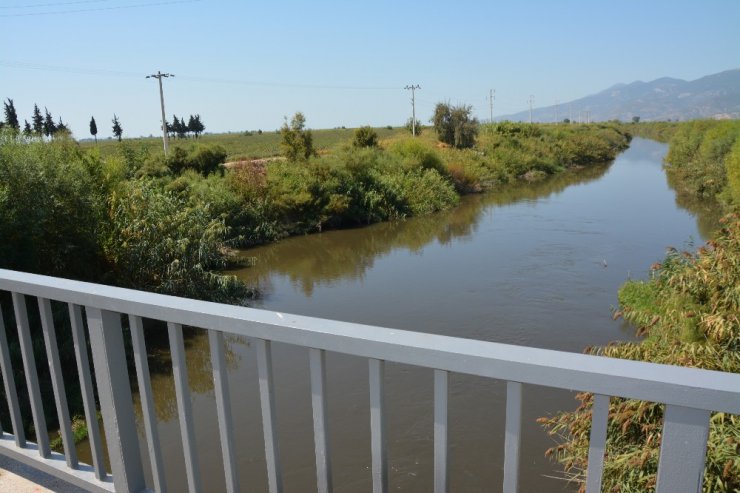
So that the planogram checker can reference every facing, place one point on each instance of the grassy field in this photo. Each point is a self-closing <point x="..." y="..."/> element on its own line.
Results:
<point x="244" y="146"/>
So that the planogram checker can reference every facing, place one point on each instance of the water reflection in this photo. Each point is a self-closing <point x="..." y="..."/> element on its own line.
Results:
<point x="323" y="259"/>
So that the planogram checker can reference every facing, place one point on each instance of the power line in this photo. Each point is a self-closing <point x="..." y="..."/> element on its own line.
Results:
<point x="60" y="4"/>
<point x="118" y="73"/>
<point x="98" y="9"/>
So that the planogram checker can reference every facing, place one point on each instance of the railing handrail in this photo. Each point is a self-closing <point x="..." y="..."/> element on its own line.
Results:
<point x="688" y="387"/>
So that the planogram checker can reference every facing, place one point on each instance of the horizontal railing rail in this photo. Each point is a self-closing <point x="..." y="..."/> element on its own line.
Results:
<point x="689" y="394"/>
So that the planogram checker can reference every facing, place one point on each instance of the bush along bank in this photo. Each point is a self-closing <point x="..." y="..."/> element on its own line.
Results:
<point x="689" y="314"/>
<point x="355" y="185"/>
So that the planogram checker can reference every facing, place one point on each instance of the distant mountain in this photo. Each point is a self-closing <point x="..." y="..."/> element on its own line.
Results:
<point x="713" y="96"/>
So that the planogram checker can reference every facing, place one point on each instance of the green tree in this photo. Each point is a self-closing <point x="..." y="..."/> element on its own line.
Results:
<point x="454" y="125"/>
<point x="297" y="142"/>
<point x="179" y="127"/>
<point x="195" y="125"/>
<point x="191" y="125"/>
<point x="117" y="128"/>
<point x="365" y="137"/>
<point x="94" y="129"/>
<point x="635" y="119"/>
<point x="183" y="133"/>
<point x="37" y="121"/>
<point x="27" y="132"/>
<point x="50" y="127"/>
<point x="61" y="128"/>
<point x="11" y="116"/>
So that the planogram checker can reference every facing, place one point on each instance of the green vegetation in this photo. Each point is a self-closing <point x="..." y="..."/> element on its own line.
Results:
<point x="689" y="313"/>
<point x="703" y="157"/>
<point x="297" y="141"/>
<point x="129" y="216"/>
<point x="413" y="126"/>
<point x="660" y="131"/>
<point x="454" y="125"/>
<point x="365" y="137"/>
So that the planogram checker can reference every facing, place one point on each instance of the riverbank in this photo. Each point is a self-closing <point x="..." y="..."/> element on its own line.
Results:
<point x="688" y="313"/>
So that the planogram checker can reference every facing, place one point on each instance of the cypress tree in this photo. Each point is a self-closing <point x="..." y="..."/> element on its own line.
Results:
<point x="50" y="127"/>
<point x="94" y="129"/>
<point x="38" y="121"/>
<point x="117" y="129"/>
<point x="11" y="117"/>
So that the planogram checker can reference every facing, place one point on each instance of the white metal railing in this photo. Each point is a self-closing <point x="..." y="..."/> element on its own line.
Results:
<point x="690" y="395"/>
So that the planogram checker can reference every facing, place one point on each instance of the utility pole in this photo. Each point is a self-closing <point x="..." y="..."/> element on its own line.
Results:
<point x="531" y="100"/>
<point x="413" y="88"/>
<point x="570" y="113"/>
<point x="557" y="111"/>
<point x="165" y="137"/>
<point x="491" y="99"/>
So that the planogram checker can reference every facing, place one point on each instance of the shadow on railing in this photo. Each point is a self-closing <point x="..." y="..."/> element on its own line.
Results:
<point x="690" y="395"/>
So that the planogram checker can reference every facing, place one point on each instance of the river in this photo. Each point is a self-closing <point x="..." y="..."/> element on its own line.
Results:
<point x="537" y="264"/>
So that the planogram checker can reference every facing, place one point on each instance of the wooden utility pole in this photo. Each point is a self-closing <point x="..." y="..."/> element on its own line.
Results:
<point x="165" y="137"/>
<point x="413" y="88"/>
<point x="491" y="99"/>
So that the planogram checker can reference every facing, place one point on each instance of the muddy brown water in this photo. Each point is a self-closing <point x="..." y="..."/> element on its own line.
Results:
<point x="537" y="265"/>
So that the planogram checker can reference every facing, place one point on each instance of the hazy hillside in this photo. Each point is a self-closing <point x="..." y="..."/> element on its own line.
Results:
<point x="713" y="96"/>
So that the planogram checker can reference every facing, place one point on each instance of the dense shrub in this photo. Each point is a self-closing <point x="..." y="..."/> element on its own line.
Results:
<point x="365" y="137"/>
<point x="296" y="141"/>
<point x="696" y="157"/>
<point x="415" y="155"/>
<point x="454" y="125"/>
<point x="732" y="163"/>
<point x="203" y="159"/>
<point x="52" y="203"/>
<point x="156" y="242"/>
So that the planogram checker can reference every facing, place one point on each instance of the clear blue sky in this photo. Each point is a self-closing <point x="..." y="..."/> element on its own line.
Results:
<point x="245" y="65"/>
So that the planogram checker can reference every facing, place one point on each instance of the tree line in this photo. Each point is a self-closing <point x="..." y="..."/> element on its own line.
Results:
<point x="43" y="124"/>
<point x="179" y="128"/>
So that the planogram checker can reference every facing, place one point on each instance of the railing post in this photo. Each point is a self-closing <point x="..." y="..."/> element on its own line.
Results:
<point x="114" y="391"/>
<point x="32" y="376"/>
<point x="223" y="408"/>
<point x="147" y="402"/>
<point x="269" y="421"/>
<point x="682" y="450"/>
<point x="11" y="393"/>
<point x="57" y="382"/>
<point x="377" y="427"/>
<point x="597" y="443"/>
<point x="184" y="407"/>
<point x="86" y="387"/>
<point x="441" y="447"/>
<point x="317" y="361"/>
<point x="512" y="439"/>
